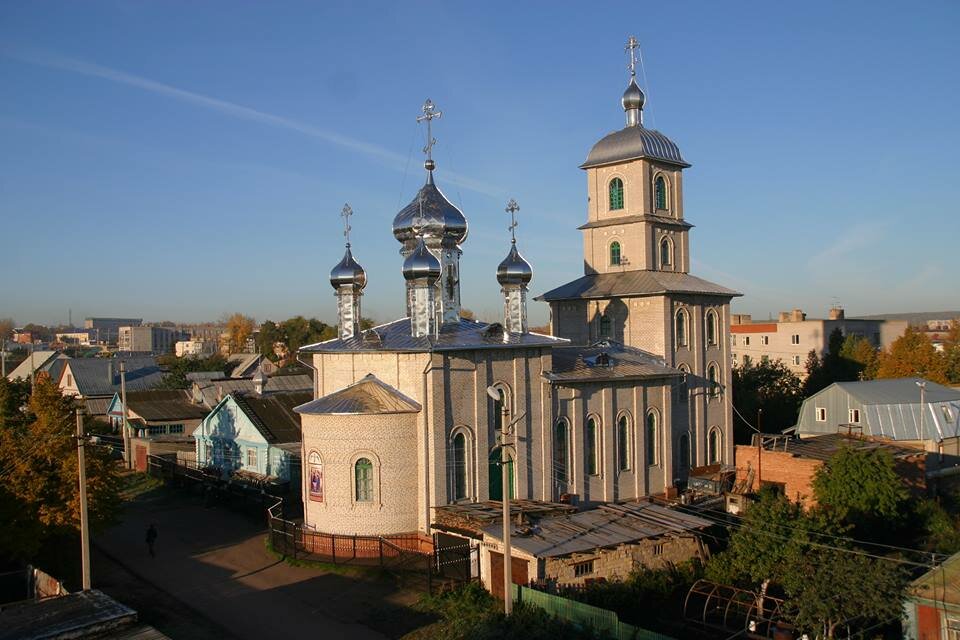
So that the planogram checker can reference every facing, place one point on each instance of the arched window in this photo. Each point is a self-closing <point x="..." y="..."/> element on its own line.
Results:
<point x="623" y="442"/>
<point x="614" y="253"/>
<point x="560" y="450"/>
<point x="711" y="331"/>
<point x="606" y="326"/>
<point x="713" y="380"/>
<point x="683" y="451"/>
<point x="660" y="192"/>
<point x="680" y="328"/>
<point x="458" y="452"/>
<point x="363" y="479"/>
<point x="653" y="439"/>
<point x="593" y="449"/>
<point x="315" y="471"/>
<point x="616" y="194"/>
<point x="714" y="446"/>
<point x="666" y="253"/>
<point x="683" y="388"/>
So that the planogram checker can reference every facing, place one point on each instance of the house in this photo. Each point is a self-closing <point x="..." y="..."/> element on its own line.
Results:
<point x="789" y="463"/>
<point x="793" y="336"/>
<point x="247" y="364"/>
<point x="253" y="432"/>
<point x="158" y="412"/>
<point x="932" y="607"/>
<point x="209" y="389"/>
<point x="49" y="362"/>
<point x="597" y="544"/>
<point x="909" y="411"/>
<point x="95" y="381"/>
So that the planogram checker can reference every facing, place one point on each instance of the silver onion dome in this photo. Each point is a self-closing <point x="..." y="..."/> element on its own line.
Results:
<point x="441" y="219"/>
<point x="514" y="269"/>
<point x="633" y="97"/>
<point x="348" y="272"/>
<point x="422" y="264"/>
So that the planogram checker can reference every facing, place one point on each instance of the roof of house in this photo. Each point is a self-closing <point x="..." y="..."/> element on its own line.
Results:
<point x="164" y="404"/>
<point x="898" y="391"/>
<point x="272" y="413"/>
<point x="939" y="585"/>
<point x="634" y="283"/>
<point x="92" y="375"/>
<point x="213" y="391"/>
<point x="824" y="447"/>
<point x="368" y="396"/>
<point x="606" y="360"/>
<point x="246" y="364"/>
<point x="41" y="361"/>
<point x="608" y="525"/>
<point x="463" y="335"/>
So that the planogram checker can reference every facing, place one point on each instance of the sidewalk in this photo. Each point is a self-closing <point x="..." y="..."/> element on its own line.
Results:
<point x="215" y="562"/>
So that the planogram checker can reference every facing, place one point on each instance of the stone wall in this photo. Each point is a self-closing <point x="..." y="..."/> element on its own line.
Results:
<point x="618" y="562"/>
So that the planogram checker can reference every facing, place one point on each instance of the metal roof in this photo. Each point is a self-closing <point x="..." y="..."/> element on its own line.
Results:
<point x="939" y="585"/>
<point x="645" y="217"/>
<point x="608" y="525"/>
<point x="631" y="143"/>
<point x="462" y="335"/>
<point x="273" y="414"/>
<point x="93" y="375"/>
<point x="213" y="391"/>
<point x="634" y="283"/>
<point x="898" y="390"/>
<point x="41" y="361"/>
<point x="164" y="404"/>
<point x="824" y="447"/>
<point x="75" y="615"/>
<point x="368" y="396"/>
<point x="606" y="360"/>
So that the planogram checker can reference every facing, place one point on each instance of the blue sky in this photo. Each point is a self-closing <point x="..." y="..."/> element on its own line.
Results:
<point x="177" y="160"/>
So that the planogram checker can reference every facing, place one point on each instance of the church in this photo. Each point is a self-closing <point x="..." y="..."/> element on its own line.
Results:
<point x="628" y="392"/>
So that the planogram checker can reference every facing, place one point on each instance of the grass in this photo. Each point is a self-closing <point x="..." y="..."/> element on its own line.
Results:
<point x="134" y="484"/>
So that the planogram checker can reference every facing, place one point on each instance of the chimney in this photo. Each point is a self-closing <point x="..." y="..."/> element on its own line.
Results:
<point x="110" y="372"/>
<point x="836" y="313"/>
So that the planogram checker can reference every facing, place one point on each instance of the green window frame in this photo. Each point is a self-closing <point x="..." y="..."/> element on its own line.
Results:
<point x="363" y="480"/>
<point x="592" y="448"/>
<point x="606" y="326"/>
<point x="560" y="450"/>
<point x="614" y="253"/>
<point x="652" y="438"/>
<point x="660" y="192"/>
<point x="623" y="443"/>
<point x="713" y="446"/>
<point x="616" y="194"/>
<point x="459" y="454"/>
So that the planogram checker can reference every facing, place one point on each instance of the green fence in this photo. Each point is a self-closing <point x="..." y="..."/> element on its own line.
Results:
<point x="585" y="615"/>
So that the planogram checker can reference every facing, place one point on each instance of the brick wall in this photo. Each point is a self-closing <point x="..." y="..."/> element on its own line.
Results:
<point x="796" y="474"/>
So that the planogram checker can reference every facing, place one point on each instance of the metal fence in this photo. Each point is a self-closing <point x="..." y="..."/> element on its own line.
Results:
<point x="584" y="615"/>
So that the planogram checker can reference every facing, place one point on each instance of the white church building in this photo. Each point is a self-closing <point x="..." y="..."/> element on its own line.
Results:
<point x="629" y="392"/>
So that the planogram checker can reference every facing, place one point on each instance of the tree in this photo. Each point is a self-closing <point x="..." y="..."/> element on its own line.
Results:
<point x="14" y="396"/>
<point x="912" y="354"/>
<point x="6" y="329"/>
<point x="40" y="476"/>
<point x="859" y="357"/>
<point x="239" y="330"/>
<point x="178" y="368"/>
<point x="767" y="386"/>
<point x="951" y="352"/>
<point x="267" y="339"/>
<point x="840" y="363"/>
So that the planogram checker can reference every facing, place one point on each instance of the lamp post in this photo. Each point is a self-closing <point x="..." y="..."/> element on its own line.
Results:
<point x="84" y="524"/>
<point x="923" y="387"/>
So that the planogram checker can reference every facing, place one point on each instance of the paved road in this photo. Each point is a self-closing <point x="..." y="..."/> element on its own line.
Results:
<point x="214" y="561"/>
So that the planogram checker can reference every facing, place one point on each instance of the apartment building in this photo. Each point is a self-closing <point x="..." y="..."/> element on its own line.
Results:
<point x="792" y="336"/>
<point x="148" y="339"/>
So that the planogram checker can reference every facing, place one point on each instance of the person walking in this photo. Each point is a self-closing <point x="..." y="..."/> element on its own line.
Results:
<point x="152" y="539"/>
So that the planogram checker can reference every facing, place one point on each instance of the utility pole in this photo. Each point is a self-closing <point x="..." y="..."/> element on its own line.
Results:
<point x="507" y="557"/>
<point x="84" y="524"/>
<point x="123" y="401"/>
<point x="759" y="448"/>
<point x="923" y="387"/>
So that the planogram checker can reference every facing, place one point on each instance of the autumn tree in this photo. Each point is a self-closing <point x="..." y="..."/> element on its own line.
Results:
<point x="239" y="329"/>
<point x="951" y="352"/>
<point x="910" y="355"/>
<point x="6" y="329"/>
<point x="178" y="368"/>
<point x="40" y="493"/>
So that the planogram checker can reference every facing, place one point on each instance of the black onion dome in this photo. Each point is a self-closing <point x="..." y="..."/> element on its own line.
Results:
<point x="421" y="264"/>
<point x="514" y="269"/>
<point x="633" y="97"/>
<point x="440" y="218"/>
<point x="348" y="272"/>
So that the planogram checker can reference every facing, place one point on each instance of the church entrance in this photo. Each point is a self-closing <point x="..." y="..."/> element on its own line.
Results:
<point x="495" y="479"/>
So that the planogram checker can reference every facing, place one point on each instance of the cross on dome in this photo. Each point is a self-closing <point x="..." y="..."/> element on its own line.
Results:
<point x="632" y="45"/>
<point x="512" y="208"/>
<point x="429" y="113"/>
<point x="345" y="213"/>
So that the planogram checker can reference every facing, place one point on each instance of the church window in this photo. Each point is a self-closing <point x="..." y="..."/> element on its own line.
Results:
<point x="614" y="253"/>
<point x="653" y="435"/>
<point x="680" y="328"/>
<point x="660" y="192"/>
<point x="712" y="334"/>
<point x="683" y="389"/>
<point x="623" y="442"/>
<point x="560" y="450"/>
<point x="683" y="451"/>
<point x="315" y="470"/>
<point x="606" y="326"/>
<point x="714" y="444"/>
<point x="616" y="194"/>
<point x="363" y="480"/>
<point x="593" y="450"/>
<point x="666" y="253"/>
<point x="713" y="379"/>
<point x="459" y="466"/>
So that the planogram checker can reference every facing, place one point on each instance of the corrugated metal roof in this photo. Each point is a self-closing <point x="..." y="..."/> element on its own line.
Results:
<point x="631" y="143"/>
<point x="41" y="361"/>
<point x="97" y="406"/>
<point x="606" y="526"/>
<point x="824" y="447"/>
<point x="212" y="391"/>
<point x="92" y="375"/>
<point x="939" y="585"/>
<point x="898" y="390"/>
<point x="606" y="360"/>
<point x="273" y="414"/>
<point x="462" y="335"/>
<point x="74" y="615"/>
<point x="164" y="404"/>
<point x="368" y="396"/>
<point x="634" y="283"/>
